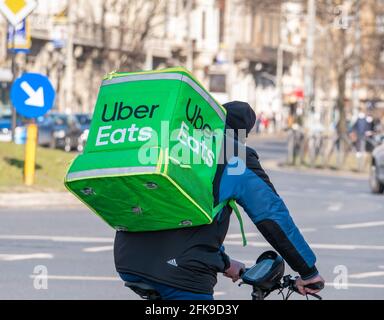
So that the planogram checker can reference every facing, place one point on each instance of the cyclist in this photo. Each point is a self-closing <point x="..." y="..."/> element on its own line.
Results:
<point x="182" y="264"/>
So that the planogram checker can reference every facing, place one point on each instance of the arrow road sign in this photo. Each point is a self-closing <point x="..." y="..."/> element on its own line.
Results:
<point x="32" y="95"/>
<point x="36" y="98"/>
<point x="16" y="10"/>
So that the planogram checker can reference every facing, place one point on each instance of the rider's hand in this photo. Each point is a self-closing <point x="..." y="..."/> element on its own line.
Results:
<point x="300" y="283"/>
<point x="233" y="271"/>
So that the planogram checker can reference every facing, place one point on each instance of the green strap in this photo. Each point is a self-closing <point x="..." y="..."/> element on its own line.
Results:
<point x="219" y="207"/>
<point x="233" y="205"/>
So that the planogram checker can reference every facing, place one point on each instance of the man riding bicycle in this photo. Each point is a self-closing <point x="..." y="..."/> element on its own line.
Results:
<point x="182" y="264"/>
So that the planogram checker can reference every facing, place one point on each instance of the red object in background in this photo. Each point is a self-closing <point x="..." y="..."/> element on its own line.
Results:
<point x="298" y="93"/>
<point x="265" y="122"/>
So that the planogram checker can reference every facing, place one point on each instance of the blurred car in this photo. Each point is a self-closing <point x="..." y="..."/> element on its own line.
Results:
<point x="84" y="120"/>
<point x="58" y="130"/>
<point x="6" y="127"/>
<point x="376" y="176"/>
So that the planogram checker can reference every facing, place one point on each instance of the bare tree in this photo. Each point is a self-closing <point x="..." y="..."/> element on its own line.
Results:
<point x="344" y="49"/>
<point x="124" y="42"/>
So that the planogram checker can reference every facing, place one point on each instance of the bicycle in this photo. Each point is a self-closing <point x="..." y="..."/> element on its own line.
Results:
<point x="267" y="275"/>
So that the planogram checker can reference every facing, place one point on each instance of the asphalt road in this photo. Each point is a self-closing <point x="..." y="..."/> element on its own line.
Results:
<point x="338" y="216"/>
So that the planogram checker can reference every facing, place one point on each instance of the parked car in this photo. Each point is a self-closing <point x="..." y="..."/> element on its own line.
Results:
<point x="6" y="127"/>
<point x="376" y="177"/>
<point x="84" y="120"/>
<point x="58" y="130"/>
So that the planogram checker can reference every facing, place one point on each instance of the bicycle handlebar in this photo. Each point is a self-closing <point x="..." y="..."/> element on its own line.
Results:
<point x="315" y="286"/>
<point x="290" y="283"/>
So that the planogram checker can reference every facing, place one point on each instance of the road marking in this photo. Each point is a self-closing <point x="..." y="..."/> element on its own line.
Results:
<point x="360" y="225"/>
<point x="18" y="257"/>
<point x="219" y="293"/>
<point x="313" y="245"/>
<point x="57" y="238"/>
<point x="345" y="246"/>
<point x="254" y="234"/>
<point x="305" y="230"/>
<point x="77" y="278"/>
<point x="98" y="249"/>
<point x="334" y="207"/>
<point x="311" y="195"/>
<point x="356" y="285"/>
<point x="367" y="275"/>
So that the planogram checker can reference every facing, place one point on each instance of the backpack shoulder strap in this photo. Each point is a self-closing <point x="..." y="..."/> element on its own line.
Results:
<point x="232" y="204"/>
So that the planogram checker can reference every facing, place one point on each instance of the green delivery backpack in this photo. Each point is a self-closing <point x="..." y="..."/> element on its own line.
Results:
<point x="151" y="153"/>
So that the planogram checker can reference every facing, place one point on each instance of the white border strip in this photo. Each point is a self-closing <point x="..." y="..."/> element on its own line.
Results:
<point x="206" y="96"/>
<point x="140" y="77"/>
<point x="168" y="76"/>
<point x="108" y="171"/>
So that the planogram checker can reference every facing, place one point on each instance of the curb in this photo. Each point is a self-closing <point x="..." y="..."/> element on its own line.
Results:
<point x="38" y="199"/>
<point x="282" y="167"/>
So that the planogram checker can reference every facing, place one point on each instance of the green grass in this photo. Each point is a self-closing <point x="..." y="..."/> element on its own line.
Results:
<point x="51" y="166"/>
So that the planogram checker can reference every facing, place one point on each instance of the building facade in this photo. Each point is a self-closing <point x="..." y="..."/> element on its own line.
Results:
<point x="233" y="48"/>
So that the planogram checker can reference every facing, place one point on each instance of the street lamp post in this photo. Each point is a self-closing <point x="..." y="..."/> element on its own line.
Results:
<point x="308" y="76"/>
<point x="13" y="70"/>
<point x="189" y="63"/>
<point x="69" y="57"/>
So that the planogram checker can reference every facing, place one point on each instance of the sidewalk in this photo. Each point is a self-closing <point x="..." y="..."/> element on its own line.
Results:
<point x="38" y="200"/>
<point x="279" y="165"/>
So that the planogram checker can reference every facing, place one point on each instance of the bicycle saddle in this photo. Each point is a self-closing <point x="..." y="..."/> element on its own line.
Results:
<point x="144" y="290"/>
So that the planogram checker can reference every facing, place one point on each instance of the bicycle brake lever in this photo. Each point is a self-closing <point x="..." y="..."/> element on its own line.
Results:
<point x="315" y="296"/>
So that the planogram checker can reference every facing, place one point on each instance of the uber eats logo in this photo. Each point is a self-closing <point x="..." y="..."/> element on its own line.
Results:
<point x="124" y="112"/>
<point x="197" y="143"/>
<point x="191" y="131"/>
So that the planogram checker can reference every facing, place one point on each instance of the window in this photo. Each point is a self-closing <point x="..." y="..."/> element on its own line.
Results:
<point x="380" y="23"/>
<point x="221" y="5"/>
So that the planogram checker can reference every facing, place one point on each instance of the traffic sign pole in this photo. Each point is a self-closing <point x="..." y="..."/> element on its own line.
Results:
<point x="32" y="96"/>
<point x="15" y="11"/>
<point x="13" y="70"/>
<point x="30" y="154"/>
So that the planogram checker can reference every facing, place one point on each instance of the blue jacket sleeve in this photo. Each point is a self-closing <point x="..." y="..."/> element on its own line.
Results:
<point x="255" y="193"/>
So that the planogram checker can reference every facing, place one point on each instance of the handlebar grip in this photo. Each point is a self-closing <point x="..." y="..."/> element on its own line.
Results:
<point x="242" y="271"/>
<point x="315" y="286"/>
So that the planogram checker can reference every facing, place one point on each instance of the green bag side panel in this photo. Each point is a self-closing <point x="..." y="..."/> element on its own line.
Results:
<point x="196" y="151"/>
<point x="115" y="200"/>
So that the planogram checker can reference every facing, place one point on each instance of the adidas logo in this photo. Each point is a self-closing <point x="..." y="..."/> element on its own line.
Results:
<point x="172" y="262"/>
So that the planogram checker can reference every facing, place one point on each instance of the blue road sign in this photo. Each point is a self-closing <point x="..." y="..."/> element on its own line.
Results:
<point x="19" y="37"/>
<point x="32" y="95"/>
